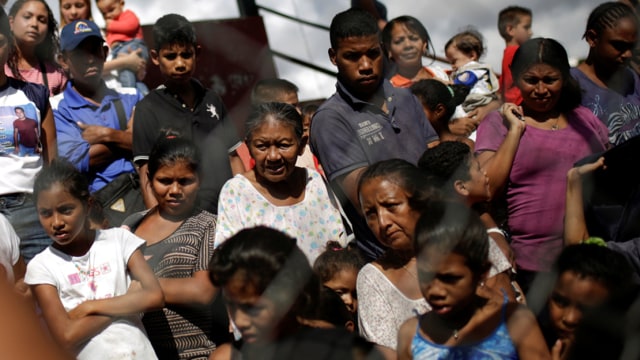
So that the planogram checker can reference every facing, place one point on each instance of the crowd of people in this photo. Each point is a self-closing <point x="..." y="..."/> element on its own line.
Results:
<point x="418" y="213"/>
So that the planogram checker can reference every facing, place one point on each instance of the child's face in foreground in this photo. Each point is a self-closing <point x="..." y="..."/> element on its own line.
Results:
<point x="62" y="215"/>
<point x="571" y="296"/>
<point x="31" y="23"/>
<point x="522" y="32"/>
<point x="110" y="9"/>
<point x="253" y="314"/>
<point x="177" y="62"/>
<point x="344" y="284"/>
<point x="446" y="282"/>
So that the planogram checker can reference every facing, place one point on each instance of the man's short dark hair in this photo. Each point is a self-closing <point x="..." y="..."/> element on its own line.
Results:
<point x="352" y="22"/>
<point x="270" y="90"/>
<point x="173" y="29"/>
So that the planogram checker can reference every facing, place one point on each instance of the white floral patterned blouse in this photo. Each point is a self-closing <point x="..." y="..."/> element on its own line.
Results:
<point x="313" y="221"/>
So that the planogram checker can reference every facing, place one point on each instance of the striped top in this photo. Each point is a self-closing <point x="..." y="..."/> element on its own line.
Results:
<point x="182" y="332"/>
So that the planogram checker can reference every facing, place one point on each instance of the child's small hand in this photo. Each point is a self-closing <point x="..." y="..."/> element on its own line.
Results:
<point x="591" y="167"/>
<point x="575" y="174"/>
<point x="559" y="351"/>
<point x="490" y="293"/>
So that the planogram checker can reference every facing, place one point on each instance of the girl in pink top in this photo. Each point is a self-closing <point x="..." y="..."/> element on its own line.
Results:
<point x="32" y="58"/>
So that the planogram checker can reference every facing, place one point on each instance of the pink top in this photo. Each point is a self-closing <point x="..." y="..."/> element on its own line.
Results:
<point x="124" y="27"/>
<point x="536" y="187"/>
<point x="55" y="77"/>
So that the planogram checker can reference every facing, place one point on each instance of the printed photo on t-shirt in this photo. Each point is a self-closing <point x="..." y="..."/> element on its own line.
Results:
<point x="20" y="130"/>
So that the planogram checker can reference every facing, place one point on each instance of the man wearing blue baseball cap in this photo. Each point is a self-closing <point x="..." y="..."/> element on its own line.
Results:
<point x="92" y="120"/>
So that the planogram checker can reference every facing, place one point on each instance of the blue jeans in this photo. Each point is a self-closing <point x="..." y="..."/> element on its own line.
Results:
<point x="126" y="77"/>
<point x="24" y="151"/>
<point x="20" y="210"/>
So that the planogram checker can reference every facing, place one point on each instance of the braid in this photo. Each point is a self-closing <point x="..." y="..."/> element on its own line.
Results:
<point x="606" y="15"/>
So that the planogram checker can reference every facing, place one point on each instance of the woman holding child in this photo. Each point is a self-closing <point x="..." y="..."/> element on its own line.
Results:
<point x="528" y="149"/>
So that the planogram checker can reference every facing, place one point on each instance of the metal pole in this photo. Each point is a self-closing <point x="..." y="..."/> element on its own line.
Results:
<point x="247" y="8"/>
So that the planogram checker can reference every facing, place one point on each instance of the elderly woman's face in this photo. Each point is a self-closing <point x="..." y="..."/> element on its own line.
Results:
<point x="541" y="87"/>
<point x="275" y="148"/>
<point x="386" y="208"/>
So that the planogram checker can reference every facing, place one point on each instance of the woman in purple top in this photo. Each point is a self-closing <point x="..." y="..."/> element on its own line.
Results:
<point x="528" y="149"/>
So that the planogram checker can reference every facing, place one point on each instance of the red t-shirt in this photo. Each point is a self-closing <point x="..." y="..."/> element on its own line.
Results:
<point x="510" y="92"/>
<point x="28" y="132"/>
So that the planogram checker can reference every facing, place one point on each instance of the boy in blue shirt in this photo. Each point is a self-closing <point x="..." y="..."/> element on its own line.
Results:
<point x="86" y="112"/>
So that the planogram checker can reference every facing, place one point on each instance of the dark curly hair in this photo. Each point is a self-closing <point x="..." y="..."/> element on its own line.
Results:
<point x="432" y="92"/>
<point x="336" y="258"/>
<point x="446" y="163"/>
<point x="606" y="16"/>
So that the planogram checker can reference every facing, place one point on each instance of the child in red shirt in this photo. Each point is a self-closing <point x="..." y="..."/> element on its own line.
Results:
<point x="514" y="25"/>
<point x="124" y="35"/>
